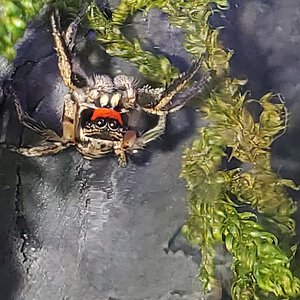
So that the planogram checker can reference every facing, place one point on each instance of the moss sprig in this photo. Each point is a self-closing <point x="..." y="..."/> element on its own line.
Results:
<point x="260" y="265"/>
<point x="14" y="14"/>
<point x="109" y="34"/>
<point x="13" y="17"/>
<point x="260" y="261"/>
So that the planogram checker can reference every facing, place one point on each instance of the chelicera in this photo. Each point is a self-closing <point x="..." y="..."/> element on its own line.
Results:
<point x="97" y="108"/>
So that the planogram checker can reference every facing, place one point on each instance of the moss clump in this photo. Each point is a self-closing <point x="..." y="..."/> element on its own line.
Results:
<point x="13" y="16"/>
<point x="154" y="67"/>
<point x="15" y="13"/>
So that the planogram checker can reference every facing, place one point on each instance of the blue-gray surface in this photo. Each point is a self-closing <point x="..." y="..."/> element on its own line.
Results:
<point x="77" y="229"/>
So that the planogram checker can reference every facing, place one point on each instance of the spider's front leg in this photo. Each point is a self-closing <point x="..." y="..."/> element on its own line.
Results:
<point x="152" y="134"/>
<point x="64" y="44"/>
<point x="73" y="75"/>
<point x="64" y="61"/>
<point x="71" y="32"/>
<point x="174" y="97"/>
<point x="132" y="143"/>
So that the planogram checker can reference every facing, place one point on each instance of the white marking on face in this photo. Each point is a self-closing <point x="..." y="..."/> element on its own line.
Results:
<point x="114" y="100"/>
<point x="104" y="99"/>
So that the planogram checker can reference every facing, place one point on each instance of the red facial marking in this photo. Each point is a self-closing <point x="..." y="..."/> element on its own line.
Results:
<point x="107" y="113"/>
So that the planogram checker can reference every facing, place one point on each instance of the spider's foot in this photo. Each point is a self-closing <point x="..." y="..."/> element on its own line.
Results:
<point x="122" y="160"/>
<point x="71" y="32"/>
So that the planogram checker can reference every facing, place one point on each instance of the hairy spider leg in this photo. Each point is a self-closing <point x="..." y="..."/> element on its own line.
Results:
<point x="154" y="133"/>
<point x="49" y="149"/>
<point x="71" y="32"/>
<point x="56" y="144"/>
<point x="196" y="88"/>
<point x="64" y="62"/>
<point x="165" y="98"/>
<point x="27" y="121"/>
<point x="174" y="88"/>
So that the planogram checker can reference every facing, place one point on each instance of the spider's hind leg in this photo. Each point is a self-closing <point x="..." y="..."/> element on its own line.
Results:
<point x="49" y="149"/>
<point x="27" y="121"/>
<point x="72" y="74"/>
<point x="71" y="32"/>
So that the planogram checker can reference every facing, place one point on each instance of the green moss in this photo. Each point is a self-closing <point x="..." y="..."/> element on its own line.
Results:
<point x="154" y="67"/>
<point x="14" y="15"/>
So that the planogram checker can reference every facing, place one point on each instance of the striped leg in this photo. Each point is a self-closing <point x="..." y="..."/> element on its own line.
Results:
<point x="27" y="121"/>
<point x="168" y="100"/>
<point x="64" y="60"/>
<point x="49" y="149"/>
<point x="154" y="133"/>
<point x="56" y="145"/>
<point x="71" y="32"/>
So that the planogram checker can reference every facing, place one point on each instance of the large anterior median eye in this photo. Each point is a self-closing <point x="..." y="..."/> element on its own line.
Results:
<point x="101" y="122"/>
<point x="113" y="124"/>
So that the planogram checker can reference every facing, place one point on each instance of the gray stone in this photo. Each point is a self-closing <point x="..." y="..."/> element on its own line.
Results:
<point x="78" y="229"/>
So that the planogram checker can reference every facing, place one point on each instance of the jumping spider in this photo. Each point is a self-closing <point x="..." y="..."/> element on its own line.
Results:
<point x="95" y="117"/>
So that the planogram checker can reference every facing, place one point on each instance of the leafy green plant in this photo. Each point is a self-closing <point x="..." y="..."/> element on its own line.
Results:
<point x="15" y="13"/>
<point x="13" y="16"/>
<point x="154" y="67"/>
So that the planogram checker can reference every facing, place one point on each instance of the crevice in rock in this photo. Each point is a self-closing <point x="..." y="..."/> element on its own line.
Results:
<point x="20" y="218"/>
<point x="28" y="243"/>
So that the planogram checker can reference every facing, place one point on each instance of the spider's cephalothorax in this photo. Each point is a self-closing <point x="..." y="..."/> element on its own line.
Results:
<point x="97" y="108"/>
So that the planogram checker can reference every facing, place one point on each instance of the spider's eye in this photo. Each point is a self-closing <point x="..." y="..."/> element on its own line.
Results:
<point x="113" y="124"/>
<point x="101" y="122"/>
<point x="88" y="125"/>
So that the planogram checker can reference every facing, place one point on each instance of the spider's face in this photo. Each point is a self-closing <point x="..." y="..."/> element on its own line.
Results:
<point x="102" y="124"/>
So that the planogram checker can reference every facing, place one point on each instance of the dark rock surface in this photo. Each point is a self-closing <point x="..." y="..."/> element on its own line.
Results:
<point x="77" y="229"/>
